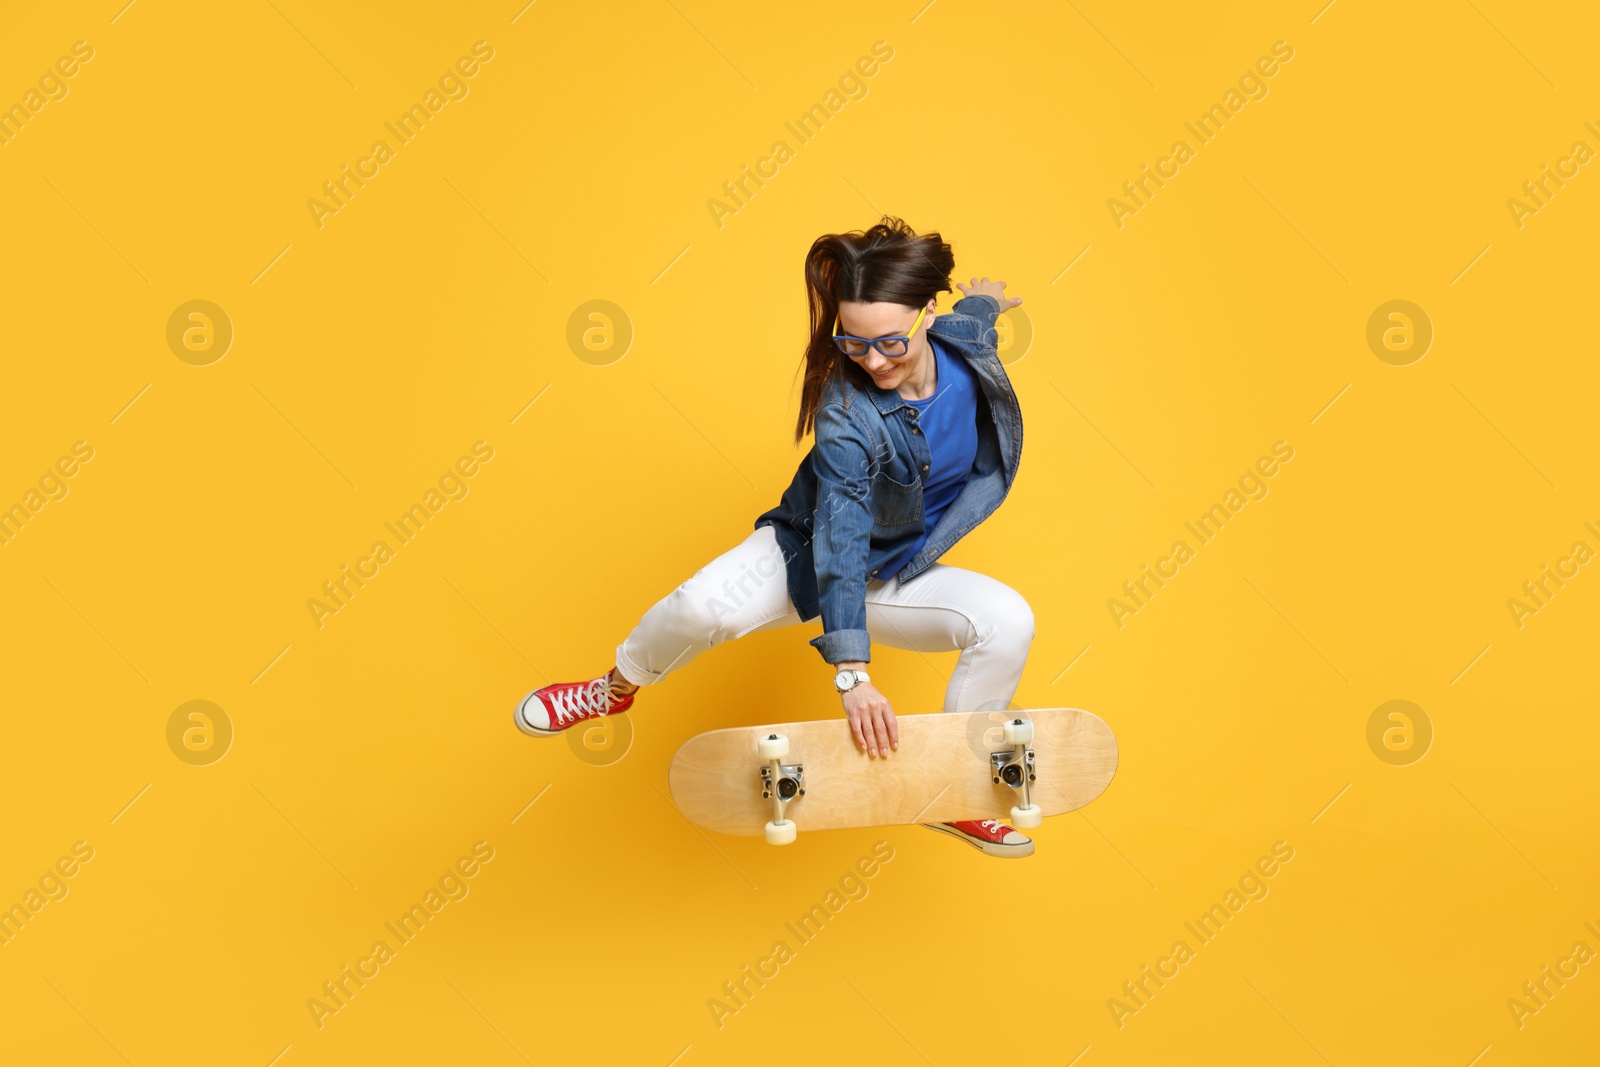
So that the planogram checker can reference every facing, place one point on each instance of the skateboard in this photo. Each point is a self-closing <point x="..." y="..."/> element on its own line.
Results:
<point x="772" y="780"/>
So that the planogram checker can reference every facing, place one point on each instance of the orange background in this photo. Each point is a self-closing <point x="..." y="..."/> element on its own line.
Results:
<point x="1155" y="362"/>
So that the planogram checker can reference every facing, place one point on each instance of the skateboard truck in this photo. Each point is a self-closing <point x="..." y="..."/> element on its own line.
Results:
<point x="1014" y="767"/>
<point x="780" y="783"/>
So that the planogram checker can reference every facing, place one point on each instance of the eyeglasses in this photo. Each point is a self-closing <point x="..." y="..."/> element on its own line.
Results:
<point x="893" y="347"/>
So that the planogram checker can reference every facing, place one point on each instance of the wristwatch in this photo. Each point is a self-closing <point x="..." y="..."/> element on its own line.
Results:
<point x="847" y="680"/>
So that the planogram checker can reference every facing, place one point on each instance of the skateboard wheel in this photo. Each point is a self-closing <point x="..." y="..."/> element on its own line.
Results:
<point x="1021" y="817"/>
<point x="773" y="746"/>
<point x="781" y="833"/>
<point x="1018" y="731"/>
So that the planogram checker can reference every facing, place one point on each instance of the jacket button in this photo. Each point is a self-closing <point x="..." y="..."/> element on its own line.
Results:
<point x="874" y="574"/>
<point x="915" y="429"/>
<point x="924" y="466"/>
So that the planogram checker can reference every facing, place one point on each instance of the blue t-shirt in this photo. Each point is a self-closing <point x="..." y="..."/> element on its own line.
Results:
<point x="949" y="420"/>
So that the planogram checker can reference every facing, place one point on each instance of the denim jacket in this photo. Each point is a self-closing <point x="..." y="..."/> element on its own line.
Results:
<point x="856" y="499"/>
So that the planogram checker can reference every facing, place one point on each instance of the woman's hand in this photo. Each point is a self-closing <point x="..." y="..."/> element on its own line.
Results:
<point x="987" y="288"/>
<point x="871" y="720"/>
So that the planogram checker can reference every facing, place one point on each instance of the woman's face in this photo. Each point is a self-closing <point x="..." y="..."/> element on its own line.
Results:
<point x="885" y="319"/>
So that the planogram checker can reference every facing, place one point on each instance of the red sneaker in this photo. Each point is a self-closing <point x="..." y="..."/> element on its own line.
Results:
<point x="552" y="708"/>
<point x="989" y="836"/>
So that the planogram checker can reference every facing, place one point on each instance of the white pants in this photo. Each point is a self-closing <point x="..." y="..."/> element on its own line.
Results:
<point x="943" y="609"/>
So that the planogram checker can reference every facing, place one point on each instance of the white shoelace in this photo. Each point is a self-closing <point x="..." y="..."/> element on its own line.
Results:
<point x="993" y="825"/>
<point x="581" y="703"/>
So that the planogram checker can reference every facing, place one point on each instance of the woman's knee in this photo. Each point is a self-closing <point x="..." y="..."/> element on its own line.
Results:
<point x="692" y="611"/>
<point x="716" y="610"/>
<point x="1008" y="620"/>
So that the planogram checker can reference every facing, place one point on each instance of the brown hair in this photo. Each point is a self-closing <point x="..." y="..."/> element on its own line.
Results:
<point x="887" y="262"/>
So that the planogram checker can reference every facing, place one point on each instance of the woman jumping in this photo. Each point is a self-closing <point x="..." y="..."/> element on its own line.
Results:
<point x="918" y="439"/>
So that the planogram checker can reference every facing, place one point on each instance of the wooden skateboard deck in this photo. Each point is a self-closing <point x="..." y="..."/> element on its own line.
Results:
<point x="941" y="772"/>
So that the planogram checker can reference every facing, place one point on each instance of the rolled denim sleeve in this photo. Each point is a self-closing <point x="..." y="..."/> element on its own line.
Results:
<point x="982" y="307"/>
<point x="842" y="462"/>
